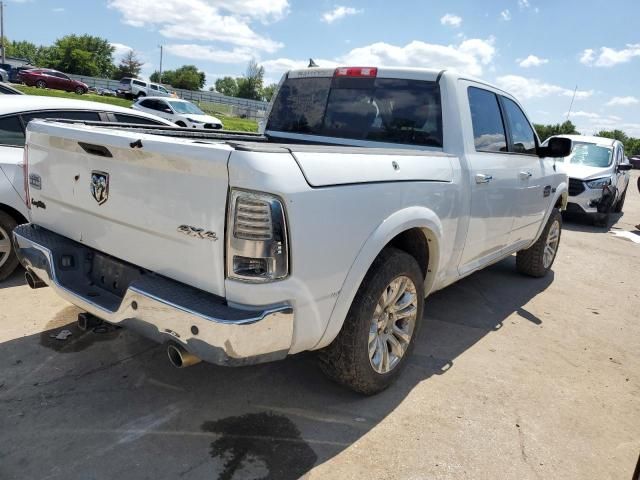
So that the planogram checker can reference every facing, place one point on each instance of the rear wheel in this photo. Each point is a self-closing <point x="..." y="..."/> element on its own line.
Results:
<point x="8" y="259"/>
<point x="379" y="332"/>
<point x="41" y="84"/>
<point x="537" y="260"/>
<point x="140" y="95"/>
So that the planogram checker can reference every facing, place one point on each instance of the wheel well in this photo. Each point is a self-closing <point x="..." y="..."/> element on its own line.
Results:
<point x="560" y="202"/>
<point x="15" y="214"/>
<point x="413" y="242"/>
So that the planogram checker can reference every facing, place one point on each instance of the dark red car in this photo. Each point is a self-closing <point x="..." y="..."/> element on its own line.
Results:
<point x="47" y="78"/>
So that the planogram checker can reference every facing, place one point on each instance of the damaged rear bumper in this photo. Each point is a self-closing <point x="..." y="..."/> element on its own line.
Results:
<point x="158" y="308"/>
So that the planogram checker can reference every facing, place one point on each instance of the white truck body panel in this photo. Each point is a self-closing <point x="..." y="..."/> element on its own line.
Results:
<point x="343" y="204"/>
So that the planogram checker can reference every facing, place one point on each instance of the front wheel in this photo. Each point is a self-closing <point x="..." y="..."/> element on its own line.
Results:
<point x="379" y="332"/>
<point x="80" y="90"/>
<point x="537" y="260"/>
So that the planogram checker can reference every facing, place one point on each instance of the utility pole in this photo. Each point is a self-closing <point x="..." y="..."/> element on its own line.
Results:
<point x="2" y="31"/>
<point x="572" y="99"/>
<point x="160" y="74"/>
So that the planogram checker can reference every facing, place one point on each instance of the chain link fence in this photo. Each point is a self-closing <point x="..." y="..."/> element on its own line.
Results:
<point x="211" y="101"/>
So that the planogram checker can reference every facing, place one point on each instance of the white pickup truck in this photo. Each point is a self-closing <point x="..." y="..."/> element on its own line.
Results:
<point x="370" y="189"/>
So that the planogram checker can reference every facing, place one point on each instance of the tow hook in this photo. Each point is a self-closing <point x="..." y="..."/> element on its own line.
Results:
<point x="87" y="322"/>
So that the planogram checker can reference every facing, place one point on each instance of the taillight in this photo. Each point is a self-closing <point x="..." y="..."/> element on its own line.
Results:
<point x="370" y="72"/>
<point x="25" y="172"/>
<point x="257" y="245"/>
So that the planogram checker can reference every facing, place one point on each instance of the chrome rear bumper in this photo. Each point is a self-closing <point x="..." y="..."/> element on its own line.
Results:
<point x="158" y="308"/>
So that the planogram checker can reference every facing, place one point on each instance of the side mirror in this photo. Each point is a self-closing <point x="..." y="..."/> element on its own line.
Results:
<point x="624" y="167"/>
<point x="557" y="147"/>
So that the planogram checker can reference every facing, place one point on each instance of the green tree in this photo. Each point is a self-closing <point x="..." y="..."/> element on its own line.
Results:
<point x="250" y="86"/>
<point x="615" y="134"/>
<point x="187" y="77"/>
<point x="35" y="54"/>
<point x="546" y="131"/>
<point x="82" y="55"/>
<point x="269" y="91"/>
<point x="227" y="86"/>
<point x="129" y="66"/>
<point x="631" y="144"/>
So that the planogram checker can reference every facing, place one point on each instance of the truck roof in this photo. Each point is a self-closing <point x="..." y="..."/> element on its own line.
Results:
<point x="409" y="73"/>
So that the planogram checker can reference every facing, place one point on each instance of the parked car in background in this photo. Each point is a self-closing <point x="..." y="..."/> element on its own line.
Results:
<point x="15" y="113"/>
<point x="598" y="176"/>
<point x="6" y="89"/>
<point x="53" y="79"/>
<point x="136" y="88"/>
<point x="180" y="112"/>
<point x="106" y="92"/>
<point x="371" y="189"/>
<point x="635" y="161"/>
<point x="4" y="75"/>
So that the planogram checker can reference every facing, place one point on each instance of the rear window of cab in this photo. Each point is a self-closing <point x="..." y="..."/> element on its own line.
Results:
<point x="374" y="109"/>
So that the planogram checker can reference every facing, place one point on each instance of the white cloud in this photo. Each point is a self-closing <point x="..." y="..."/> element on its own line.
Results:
<point x="451" y="20"/>
<point x="120" y="49"/>
<point x="608" y="57"/>
<point x="470" y="57"/>
<point x="57" y="9"/>
<point x="526" y="88"/>
<point x="505" y="15"/>
<point x="225" y="21"/>
<point x="622" y="101"/>
<point x="524" y="4"/>
<point x="583" y="114"/>
<point x="208" y="53"/>
<point x="339" y="12"/>
<point x="532" y="61"/>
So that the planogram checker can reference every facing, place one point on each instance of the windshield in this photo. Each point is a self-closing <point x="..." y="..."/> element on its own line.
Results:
<point x="590" y="155"/>
<point x="377" y="109"/>
<point x="186" y="107"/>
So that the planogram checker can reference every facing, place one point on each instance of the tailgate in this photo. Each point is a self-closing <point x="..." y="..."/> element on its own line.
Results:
<point x="160" y="206"/>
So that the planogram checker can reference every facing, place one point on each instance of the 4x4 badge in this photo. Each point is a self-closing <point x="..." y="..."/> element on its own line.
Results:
<point x="100" y="186"/>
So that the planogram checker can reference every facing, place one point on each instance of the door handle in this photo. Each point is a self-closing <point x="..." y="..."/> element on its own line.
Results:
<point x="482" y="178"/>
<point x="525" y="175"/>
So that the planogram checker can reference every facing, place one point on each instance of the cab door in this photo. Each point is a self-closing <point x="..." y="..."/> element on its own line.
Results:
<point x="493" y="178"/>
<point x="534" y="174"/>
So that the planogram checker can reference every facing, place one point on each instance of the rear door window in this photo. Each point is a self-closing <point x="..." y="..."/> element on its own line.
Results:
<point x="11" y="132"/>
<point x="83" y="115"/>
<point x="523" y="139"/>
<point x="488" y="128"/>
<point x="124" y="118"/>
<point x="374" y="109"/>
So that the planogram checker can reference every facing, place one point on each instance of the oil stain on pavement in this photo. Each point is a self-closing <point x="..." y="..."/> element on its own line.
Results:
<point x="257" y="442"/>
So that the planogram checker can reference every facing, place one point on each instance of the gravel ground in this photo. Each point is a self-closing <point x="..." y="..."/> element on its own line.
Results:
<point x="512" y="378"/>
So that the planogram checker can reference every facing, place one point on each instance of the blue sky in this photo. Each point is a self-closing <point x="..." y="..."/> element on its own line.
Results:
<point x="539" y="50"/>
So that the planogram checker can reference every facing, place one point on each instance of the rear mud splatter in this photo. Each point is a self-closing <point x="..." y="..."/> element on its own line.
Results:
<point x="260" y="445"/>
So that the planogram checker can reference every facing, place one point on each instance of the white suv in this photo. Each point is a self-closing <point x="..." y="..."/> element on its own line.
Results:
<point x="136" y="88"/>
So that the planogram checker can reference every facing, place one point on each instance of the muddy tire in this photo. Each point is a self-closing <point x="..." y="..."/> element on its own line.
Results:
<point x="620" y="204"/>
<point x="8" y="259"/>
<point x="537" y="260"/>
<point x="383" y="322"/>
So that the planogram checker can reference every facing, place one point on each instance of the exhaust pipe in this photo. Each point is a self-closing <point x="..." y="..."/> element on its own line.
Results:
<point x="33" y="281"/>
<point x="180" y="358"/>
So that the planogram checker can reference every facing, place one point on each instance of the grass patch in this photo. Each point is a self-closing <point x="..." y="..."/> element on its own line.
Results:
<point x="230" y="123"/>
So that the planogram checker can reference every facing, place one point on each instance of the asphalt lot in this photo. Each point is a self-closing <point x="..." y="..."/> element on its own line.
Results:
<point x="512" y="378"/>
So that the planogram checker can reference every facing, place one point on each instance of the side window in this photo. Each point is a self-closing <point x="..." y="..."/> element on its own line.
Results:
<point x="11" y="132"/>
<point x="522" y="137"/>
<point x="163" y="90"/>
<point x="139" y="83"/>
<point x="124" y="118"/>
<point x="66" y="114"/>
<point x="147" y="103"/>
<point x="154" y="87"/>
<point x="488" y="128"/>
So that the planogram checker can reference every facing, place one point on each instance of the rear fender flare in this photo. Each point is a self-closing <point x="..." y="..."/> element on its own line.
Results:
<point x="398" y="222"/>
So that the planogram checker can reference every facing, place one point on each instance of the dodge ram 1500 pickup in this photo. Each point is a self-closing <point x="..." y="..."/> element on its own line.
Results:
<point x="370" y="189"/>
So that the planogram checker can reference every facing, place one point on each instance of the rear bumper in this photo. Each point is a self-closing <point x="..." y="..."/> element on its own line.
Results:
<point x="158" y="308"/>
